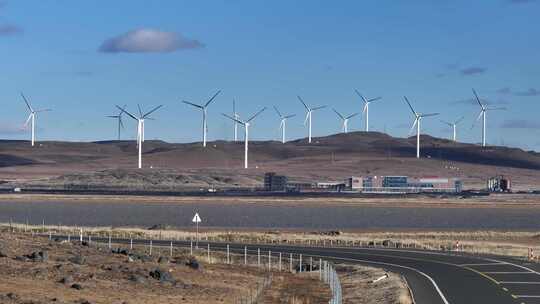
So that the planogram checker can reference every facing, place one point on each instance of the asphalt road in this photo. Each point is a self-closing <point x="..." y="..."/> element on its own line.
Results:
<point x="434" y="277"/>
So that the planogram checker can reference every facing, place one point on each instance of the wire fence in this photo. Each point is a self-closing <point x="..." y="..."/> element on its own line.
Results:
<point x="270" y="261"/>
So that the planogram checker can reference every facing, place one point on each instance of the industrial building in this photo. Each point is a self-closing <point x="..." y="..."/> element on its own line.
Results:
<point x="274" y="182"/>
<point x="403" y="184"/>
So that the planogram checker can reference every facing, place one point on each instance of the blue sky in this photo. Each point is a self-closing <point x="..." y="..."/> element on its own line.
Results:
<point x="80" y="58"/>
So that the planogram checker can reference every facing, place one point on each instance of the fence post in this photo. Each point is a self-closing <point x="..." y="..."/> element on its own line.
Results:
<point x="245" y="255"/>
<point x="259" y="257"/>
<point x="290" y="263"/>
<point x="269" y="260"/>
<point x="80" y="236"/>
<point x="111" y="244"/>
<point x="171" y="250"/>
<point x="279" y="262"/>
<point x="89" y="239"/>
<point x="311" y="264"/>
<point x="150" y="247"/>
<point x="208" y="252"/>
<point x="131" y="244"/>
<point x="320" y="269"/>
<point x="69" y="238"/>
<point x="50" y="235"/>
<point x="191" y="247"/>
<point x="228" y="255"/>
<point x="300" y="263"/>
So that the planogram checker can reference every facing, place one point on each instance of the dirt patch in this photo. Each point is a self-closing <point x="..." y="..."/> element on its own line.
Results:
<point x="358" y="286"/>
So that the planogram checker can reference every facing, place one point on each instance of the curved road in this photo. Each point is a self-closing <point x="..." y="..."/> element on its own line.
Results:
<point x="434" y="277"/>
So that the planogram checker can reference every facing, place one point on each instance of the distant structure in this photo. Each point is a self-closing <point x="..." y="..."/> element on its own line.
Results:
<point x="140" y="127"/>
<point x="417" y="119"/>
<point x="246" y="125"/>
<point x="274" y="182"/>
<point x="309" y="114"/>
<point x="499" y="184"/>
<point x="403" y="184"/>
<point x="366" y="107"/>
<point x="453" y="125"/>
<point x="203" y="108"/>
<point x="345" y="119"/>
<point x="118" y="117"/>
<point x="32" y="117"/>
<point x="483" y="109"/>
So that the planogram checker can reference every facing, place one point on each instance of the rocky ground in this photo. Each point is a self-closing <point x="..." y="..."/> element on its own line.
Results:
<point x="36" y="270"/>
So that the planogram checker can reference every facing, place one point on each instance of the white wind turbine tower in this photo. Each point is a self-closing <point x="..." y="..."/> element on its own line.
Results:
<point x="283" y="123"/>
<point x="246" y="125"/>
<point x="32" y="117"/>
<point x="345" y="120"/>
<point x="118" y="117"/>
<point x="454" y="126"/>
<point x="309" y="116"/>
<point x="366" y="107"/>
<point x="140" y="127"/>
<point x="417" y="119"/>
<point x="204" y="112"/>
<point x="236" y="117"/>
<point x="483" y="109"/>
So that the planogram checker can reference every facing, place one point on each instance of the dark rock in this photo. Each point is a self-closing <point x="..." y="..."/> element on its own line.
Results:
<point x="12" y="296"/>
<point x="85" y="243"/>
<point x="193" y="263"/>
<point x="162" y="260"/>
<point x="39" y="256"/>
<point x="137" y="279"/>
<point x="162" y="275"/>
<point x="20" y="258"/>
<point x="2" y="254"/>
<point x="78" y="259"/>
<point x="66" y="280"/>
<point x="120" y="251"/>
<point x="387" y="243"/>
<point x="77" y="286"/>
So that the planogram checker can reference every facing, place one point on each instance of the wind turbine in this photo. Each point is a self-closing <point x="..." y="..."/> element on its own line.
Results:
<point x="235" y="116"/>
<point x="204" y="112"/>
<point x="453" y="125"/>
<point x="483" y="109"/>
<point x="32" y="117"/>
<point x="119" y="118"/>
<point x="140" y="127"/>
<point x="246" y="125"/>
<point x="283" y="123"/>
<point x="345" y="119"/>
<point x="417" y="118"/>
<point x="309" y="115"/>
<point x="366" y="107"/>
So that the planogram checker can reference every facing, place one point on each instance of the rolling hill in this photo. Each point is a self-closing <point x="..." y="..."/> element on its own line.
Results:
<point x="333" y="157"/>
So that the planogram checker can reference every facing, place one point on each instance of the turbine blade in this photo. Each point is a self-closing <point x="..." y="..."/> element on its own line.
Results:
<point x="446" y="123"/>
<point x="352" y="115"/>
<point x="121" y="111"/>
<point x="413" y="125"/>
<point x="129" y="114"/>
<point x="233" y="119"/>
<point x="121" y="122"/>
<point x="478" y="99"/>
<point x="429" y="114"/>
<point x="152" y="111"/>
<point x="341" y="116"/>
<point x="43" y="110"/>
<point x="277" y="111"/>
<point x="307" y="116"/>
<point x="192" y="104"/>
<point x="410" y="106"/>
<point x="212" y="99"/>
<point x="27" y="103"/>
<point x="234" y="107"/>
<point x="496" y="108"/>
<point x="28" y="120"/>
<point x="302" y="101"/>
<point x="256" y="114"/>
<point x="478" y="118"/>
<point x="140" y="111"/>
<point x="374" y="99"/>
<point x="361" y="96"/>
<point x="365" y="108"/>
<point x="318" y="108"/>
<point x="459" y="120"/>
<point x="290" y="116"/>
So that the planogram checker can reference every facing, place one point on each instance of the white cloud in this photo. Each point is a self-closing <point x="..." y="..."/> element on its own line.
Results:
<point x="148" y="41"/>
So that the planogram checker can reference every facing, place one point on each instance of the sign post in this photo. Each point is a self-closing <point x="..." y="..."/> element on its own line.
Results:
<point x="197" y="219"/>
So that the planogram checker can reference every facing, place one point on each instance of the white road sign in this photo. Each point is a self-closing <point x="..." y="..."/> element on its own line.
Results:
<point x="196" y="218"/>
